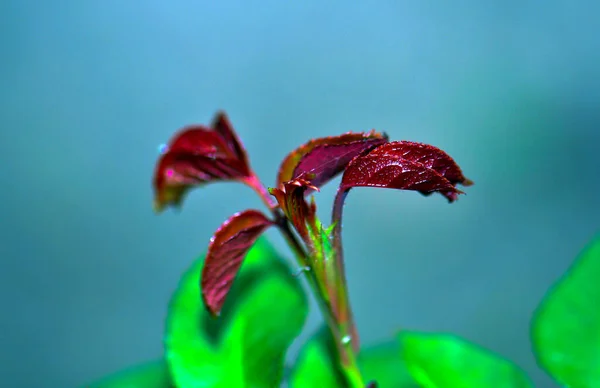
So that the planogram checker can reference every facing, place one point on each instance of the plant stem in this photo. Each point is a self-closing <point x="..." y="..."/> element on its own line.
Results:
<point x="348" y="316"/>
<point x="284" y="226"/>
<point x="346" y="352"/>
<point x="340" y="331"/>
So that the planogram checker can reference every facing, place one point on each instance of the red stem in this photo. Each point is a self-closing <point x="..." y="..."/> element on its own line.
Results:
<point x="347" y="315"/>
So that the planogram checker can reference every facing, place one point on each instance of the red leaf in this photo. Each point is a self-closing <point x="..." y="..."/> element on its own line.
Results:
<point x="226" y="251"/>
<point x="406" y="166"/>
<point x="322" y="159"/>
<point x="198" y="155"/>
<point x="429" y="156"/>
<point x="290" y="197"/>
<point x="223" y="126"/>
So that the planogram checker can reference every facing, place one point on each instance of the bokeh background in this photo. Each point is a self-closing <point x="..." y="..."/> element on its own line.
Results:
<point x="91" y="88"/>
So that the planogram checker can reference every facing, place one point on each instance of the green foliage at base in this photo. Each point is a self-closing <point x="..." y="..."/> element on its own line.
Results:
<point x="416" y="360"/>
<point x="245" y="346"/>
<point x="442" y="360"/>
<point x="565" y="329"/>
<point x="266" y="310"/>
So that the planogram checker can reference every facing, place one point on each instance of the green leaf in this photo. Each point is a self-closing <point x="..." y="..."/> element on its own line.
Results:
<point x="565" y="328"/>
<point x="383" y="364"/>
<point x="150" y="375"/>
<point x="269" y="319"/>
<point x="246" y="345"/>
<point x="317" y="365"/>
<point x="443" y="360"/>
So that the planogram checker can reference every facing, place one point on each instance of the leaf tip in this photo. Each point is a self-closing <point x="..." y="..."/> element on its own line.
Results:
<point x="219" y="115"/>
<point x="226" y="251"/>
<point x="213" y="309"/>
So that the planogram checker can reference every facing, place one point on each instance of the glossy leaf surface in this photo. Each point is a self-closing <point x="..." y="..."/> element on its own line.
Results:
<point x="226" y="250"/>
<point x="150" y="375"/>
<point x="566" y="325"/>
<point x="427" y="155"/>
<point x="326" y="157"/>
<point x="317" y="365"/>
<point x="442" y="360"/>
<point x="197" y="155"/>
<point x="390" y="169"/>
<point x="206" y="352"/>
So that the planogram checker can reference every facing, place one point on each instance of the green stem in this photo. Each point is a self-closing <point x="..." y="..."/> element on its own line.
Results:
<point x="340" y="330"/>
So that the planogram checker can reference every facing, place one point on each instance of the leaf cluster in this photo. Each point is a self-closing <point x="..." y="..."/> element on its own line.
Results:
<point x="238" y="308"/>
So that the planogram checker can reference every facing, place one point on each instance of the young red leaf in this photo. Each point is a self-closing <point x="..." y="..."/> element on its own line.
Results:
<point x="395" y="173"/>
<point x="326" y="157"/>
<point x="222" y="125"/>
<point x="226" y="251"/>
<point x="290" y="197"/>
<point x="428" y="155"/>
<point x="406" y="166"/>
<point x="198" y="155"/>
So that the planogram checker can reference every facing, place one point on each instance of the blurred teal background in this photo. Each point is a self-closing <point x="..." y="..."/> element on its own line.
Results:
<point x="511" y="89"/>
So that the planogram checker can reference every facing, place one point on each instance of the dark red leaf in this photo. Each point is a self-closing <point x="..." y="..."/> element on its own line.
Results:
<point x="392" y="172"/>
<point x="407" y="166"/>
<point x="290" y="197"/>
<point x="198" y="155"/>
<point x="223" y="126"/>
<point x="199" y="140"/>
<point x="326" y="157"/>
<point x="429" y="156"/>
<point x="226" y="251"/>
